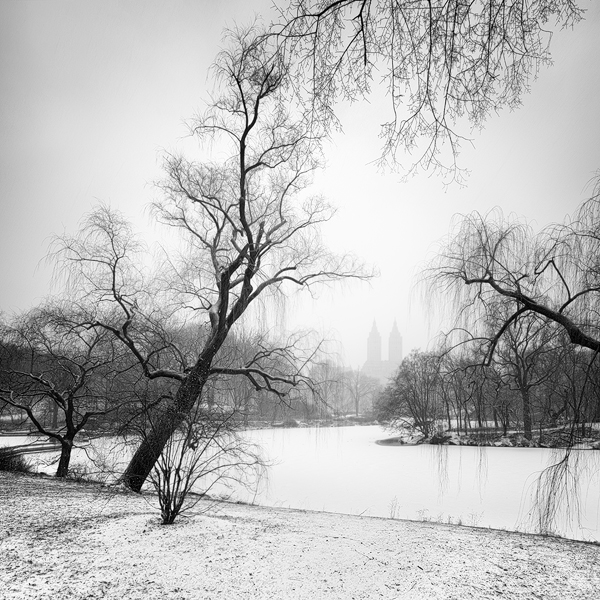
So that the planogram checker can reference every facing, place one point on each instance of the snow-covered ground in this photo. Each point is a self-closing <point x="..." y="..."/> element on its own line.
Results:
<point x="59" y="539"/>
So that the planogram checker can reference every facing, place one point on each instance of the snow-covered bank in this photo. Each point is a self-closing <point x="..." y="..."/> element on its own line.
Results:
<point x="61" y="539"/>
<point x="550" y="438"/>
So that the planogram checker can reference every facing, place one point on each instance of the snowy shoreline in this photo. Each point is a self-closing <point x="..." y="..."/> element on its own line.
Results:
<point x="491" y="441"/>
<point x="63" y="539"/>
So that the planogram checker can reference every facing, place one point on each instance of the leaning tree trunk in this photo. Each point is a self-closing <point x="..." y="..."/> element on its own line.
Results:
<point x="151" y="447"/>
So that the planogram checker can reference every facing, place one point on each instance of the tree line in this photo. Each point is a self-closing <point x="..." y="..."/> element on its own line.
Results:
<point x="548" y="395"/>
<point x="522" y="352"/>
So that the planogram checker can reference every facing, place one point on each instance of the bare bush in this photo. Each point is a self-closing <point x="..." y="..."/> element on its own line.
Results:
<point x="206" y="453"/>
<point x="13" y="461"/>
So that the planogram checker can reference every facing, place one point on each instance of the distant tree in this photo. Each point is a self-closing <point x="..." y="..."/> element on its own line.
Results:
<point x="445" y="65"/>
<point x="361" y="389"/>
<point x="413" y="396"/>
<point x="460" y="390"/>
<point x="248" y="231"/>
<point x="573" y="391"/>
<point x="524" y="361"/>
<point x="329" y="386"/>
<point x="55" y="370"/>
<point x="503" y="400"/>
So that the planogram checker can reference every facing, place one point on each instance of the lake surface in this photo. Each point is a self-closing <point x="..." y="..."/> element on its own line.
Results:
<point x="343" y="470"/>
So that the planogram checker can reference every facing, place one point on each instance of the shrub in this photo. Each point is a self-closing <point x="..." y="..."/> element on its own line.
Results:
<point x="13" y="461"/>
<point x="205" y="452"/>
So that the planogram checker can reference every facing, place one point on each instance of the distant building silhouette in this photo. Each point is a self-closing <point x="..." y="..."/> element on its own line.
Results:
<point x="395" y="345"/>
<point x="377" y="368"/>
<point x="374" y="345"/>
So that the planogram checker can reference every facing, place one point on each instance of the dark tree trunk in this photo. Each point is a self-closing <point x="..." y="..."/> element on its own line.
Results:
<point x="246" y="409"/>
<point x="65" y="457"/>
<point x="151" y="447"/>
<point x="480" y="416"/>
<point x="527" y="426"/>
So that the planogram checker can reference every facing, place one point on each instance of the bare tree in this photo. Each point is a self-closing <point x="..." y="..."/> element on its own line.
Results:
<point x="329" y="385"/>
<point x="522" y="360"/>
<point x="361" y="388"/>
<point x="248" y="231"/>
<point x="206" y="453"/>
<point x="462" y="387"/>
<point x="52" y="364"/>
<point x="571" y="393"/>
<point x="446" y="65"/>
<point x="553" y="274"/>
<point x="414" y="394"/>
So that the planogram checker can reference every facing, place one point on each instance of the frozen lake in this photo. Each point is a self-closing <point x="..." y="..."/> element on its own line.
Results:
<point x="343" y="470"/>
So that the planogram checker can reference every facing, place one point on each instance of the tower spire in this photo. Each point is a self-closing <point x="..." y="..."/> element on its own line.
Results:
<point x="395" y="345"/>
<point x="374" y="345"/>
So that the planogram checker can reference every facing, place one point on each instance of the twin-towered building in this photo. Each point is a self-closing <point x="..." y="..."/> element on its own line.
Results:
<point x="375" y="366"/>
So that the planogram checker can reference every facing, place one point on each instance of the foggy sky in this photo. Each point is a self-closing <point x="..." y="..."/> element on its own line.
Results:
<point x="93" y="92"/>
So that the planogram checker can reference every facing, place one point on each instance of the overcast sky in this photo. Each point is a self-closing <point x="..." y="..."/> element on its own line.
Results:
<point x="94" y="91"/>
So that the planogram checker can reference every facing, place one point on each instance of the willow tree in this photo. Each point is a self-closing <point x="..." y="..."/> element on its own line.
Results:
<point x="248" y="230"/>
<point x="553" y="274"/>
<point x="500" y="272"/>
<point x="446" y="65"/>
